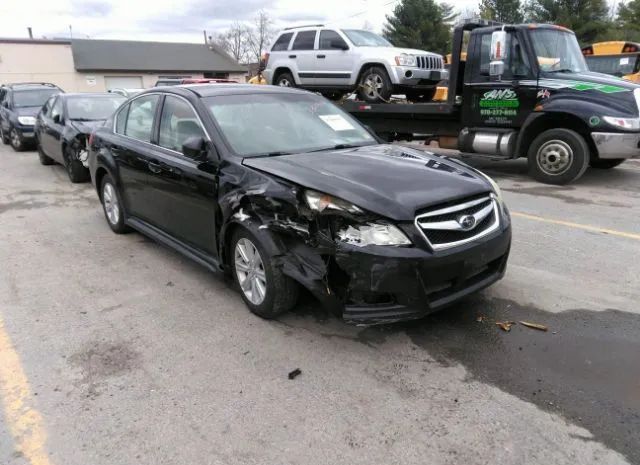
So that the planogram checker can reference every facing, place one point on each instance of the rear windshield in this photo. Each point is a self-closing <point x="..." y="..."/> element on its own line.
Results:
<point x="32" y="97"/>
<point x="93" y="108"/>
<point x="616" y="65"/>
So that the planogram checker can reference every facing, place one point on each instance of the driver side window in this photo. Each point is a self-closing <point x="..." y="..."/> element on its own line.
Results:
<point x="57" y="109"/>
<point x="178" y="124"/>
<point x="517" y="63"/>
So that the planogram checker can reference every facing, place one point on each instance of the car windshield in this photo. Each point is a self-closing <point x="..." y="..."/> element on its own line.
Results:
<point x="558" y="51"/>
<point x="366" y="39"/>
<point x="32" y="97"/>
<point x="279" y="123"/>
<point x="92" y="108"/>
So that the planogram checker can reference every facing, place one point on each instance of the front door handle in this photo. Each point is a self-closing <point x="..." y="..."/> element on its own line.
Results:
<point x="154" y="167"/>
<point x="322" y="56"/>
<point x="293" y="56"/>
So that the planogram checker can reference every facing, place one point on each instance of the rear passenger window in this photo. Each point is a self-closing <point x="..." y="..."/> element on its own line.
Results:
<point x="282" y="43"/>
<point x="140" y="117"/>
<point x="178" y="124"/>
<point x="121" y="119"/>
<point x="305" y="40"/>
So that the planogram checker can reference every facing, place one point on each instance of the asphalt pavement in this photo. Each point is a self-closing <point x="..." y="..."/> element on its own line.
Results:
<point x="116" y="350"/>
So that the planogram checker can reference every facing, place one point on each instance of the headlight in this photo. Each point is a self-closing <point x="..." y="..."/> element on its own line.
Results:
<point x="373" y="234"/>
<point x="494" y="185"/>
<point x="27" y="120"/>
<point x="623" y="123"/>
<point x="320" y="202"/>
<point x="406" y="60"/>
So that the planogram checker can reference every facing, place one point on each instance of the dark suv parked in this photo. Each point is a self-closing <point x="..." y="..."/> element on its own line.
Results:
<point x="282" y="188"/>
<point x="19" y="105"/>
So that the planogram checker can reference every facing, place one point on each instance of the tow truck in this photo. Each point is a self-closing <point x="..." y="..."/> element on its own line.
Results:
<point x="521" y="91"/>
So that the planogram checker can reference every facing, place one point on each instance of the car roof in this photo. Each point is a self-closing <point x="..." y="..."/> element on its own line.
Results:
<point x="212" y="90"/>
<point x="89" y="94"/>
<point x="31" y="85"/>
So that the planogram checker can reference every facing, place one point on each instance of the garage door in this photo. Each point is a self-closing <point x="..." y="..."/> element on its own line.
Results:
<point x="123" y="82"/>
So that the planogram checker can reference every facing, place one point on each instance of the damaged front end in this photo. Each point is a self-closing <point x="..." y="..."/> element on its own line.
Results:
<point x="359" y="265"/>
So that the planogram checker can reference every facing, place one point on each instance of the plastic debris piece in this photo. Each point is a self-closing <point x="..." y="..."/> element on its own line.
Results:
<point x="480" y="318"/>
<point x="534" y="326"/>
<point x="505" y="325"/>
<point x="295" y="373"/>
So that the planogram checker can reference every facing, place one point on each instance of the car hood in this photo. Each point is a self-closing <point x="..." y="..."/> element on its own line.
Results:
<point x="389" y="180"/>
<point x="87" y="127"/>
<point x="28" y="111"/>
<point x="398" y="50"/>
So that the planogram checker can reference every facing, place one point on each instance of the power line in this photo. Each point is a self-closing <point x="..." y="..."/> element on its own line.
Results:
<point x="360" y="13"/>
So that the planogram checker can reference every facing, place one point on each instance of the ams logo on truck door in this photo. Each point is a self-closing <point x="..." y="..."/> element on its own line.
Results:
<point x="499" y="105"/>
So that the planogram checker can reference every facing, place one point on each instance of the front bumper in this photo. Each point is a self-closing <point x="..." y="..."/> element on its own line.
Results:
<point x="417" y="77"/>
<point x="386" y="284"/>
<point x="616" y="144"/>
<point x="27" y="133"/>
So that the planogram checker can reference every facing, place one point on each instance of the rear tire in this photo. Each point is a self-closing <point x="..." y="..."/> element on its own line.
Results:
<point x="112" y="206"/>
<point x="285" y="80"/>
<point x="607" y="163"/>
<point x="558" y="156"/>
<point x="374" y="85"/>
<point x="264" y="288"/>
<point x="75" y="169"/>
<point x="44" y="158"/>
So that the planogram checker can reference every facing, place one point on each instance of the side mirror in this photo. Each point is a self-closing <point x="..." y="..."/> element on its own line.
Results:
<point x="498" y="53"/>
<point x="57" y="119"/>
<point x="339" y="45"/>
<point x="195" y="148"/>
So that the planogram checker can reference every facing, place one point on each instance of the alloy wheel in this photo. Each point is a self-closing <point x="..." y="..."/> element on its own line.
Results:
<point x="555" y="157"/>
<point x="15" y="138"/>
<point x="250" y="271"/>
<point x="373" y="83"/>
<point x="284" y="82"/>
<point x="110" y="202"/>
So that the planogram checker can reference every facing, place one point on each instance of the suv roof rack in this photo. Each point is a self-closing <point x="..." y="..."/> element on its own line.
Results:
<point x="306" y="25"/>
<point x="47" y="84"/>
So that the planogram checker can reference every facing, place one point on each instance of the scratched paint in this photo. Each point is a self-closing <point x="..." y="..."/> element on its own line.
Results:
<point x="23" y="420"/>
<point x="585" y="227"/>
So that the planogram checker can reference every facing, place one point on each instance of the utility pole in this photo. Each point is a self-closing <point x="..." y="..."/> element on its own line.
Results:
<point x="70" y="32"/>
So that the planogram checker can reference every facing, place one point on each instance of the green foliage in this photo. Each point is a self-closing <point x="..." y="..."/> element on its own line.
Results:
<point x="629" y="21"/>
<point x="422" y="24"/>
<point x="589" y="19"/>
<point x="505" y="11"/>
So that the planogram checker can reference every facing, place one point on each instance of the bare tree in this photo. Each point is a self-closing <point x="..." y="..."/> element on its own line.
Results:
<point x="260" y="35"/>
<point x="234" y="41"/>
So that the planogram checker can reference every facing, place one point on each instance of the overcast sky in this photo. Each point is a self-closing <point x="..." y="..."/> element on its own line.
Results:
<point x="180" y="21"/>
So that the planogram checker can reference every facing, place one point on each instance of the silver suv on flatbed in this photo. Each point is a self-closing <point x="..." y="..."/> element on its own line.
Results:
<point x="336" y="61"/>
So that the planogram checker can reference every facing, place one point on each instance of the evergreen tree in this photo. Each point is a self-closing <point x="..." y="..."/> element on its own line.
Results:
<point x="628" y="21"/>
<point x="505" y="11"/>
<point x="589" y="19"/>
<point x="422" y="24"/>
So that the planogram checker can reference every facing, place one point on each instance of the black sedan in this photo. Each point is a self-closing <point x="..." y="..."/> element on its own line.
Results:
<point x="281" y="188"/>
<point x="63" y="127"/>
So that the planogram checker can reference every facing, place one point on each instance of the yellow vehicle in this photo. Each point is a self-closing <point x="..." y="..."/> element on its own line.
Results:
<point x="617" y="58"/>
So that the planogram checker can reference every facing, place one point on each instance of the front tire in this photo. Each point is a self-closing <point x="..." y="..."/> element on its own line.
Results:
<point x="112" y="206"/>
<point x="607" y="163"/>
<point x="264" y="288"/>
<point x="558" y="156"/>
<point x="75" y="169"/>
<point x="374" y="86"/>
<point x="285" y="80"/>
<point x="16" y="140"/>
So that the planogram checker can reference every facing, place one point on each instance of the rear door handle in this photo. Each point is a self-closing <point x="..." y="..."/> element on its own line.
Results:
<point x="293" y="56"/>
<point x="322" y="56"/>
<point x="154" y="167"/>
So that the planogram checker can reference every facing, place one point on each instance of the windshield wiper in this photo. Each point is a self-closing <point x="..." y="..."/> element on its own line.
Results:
<point x="563" y="70"/>
<point x="85" y="119"/>
<point x="337" y="147"/>
<point x="272" y="154"/>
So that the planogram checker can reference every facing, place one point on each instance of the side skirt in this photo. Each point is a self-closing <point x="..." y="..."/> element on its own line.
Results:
<point x="160" y="236"/>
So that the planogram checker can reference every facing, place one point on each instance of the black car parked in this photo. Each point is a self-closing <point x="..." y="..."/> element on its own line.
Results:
<point x="281" y="188"/>
<point x="63" y="127"/>
<point x="19" y="105"/>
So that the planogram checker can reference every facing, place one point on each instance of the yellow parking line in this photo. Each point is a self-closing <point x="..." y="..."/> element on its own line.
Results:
<point x="585" y="227"/>
<point x="24" y="422"/>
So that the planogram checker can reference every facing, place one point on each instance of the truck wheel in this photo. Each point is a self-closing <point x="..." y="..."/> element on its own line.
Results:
<point x="374" y="85"/>
<point x="264" y="288"/>
<point x="606" y="164"/>
<point x="285" y="80"/>
<point x="558" y="156"/>
<point x="417" y="96"/>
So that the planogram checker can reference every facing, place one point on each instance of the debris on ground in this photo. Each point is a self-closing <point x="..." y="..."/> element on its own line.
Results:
<point x="295" y="373"/>
<point x="480" y="318"/>
<point x="534" y="326"/>
<point x="505" y="325"/>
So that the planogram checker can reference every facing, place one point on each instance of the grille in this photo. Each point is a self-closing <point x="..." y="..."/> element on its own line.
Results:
<point x="429" y="62"/>
<point x="443" y="227"/>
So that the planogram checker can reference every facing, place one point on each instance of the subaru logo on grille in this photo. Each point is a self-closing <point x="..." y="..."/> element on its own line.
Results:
<point x="467" y="222"/>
